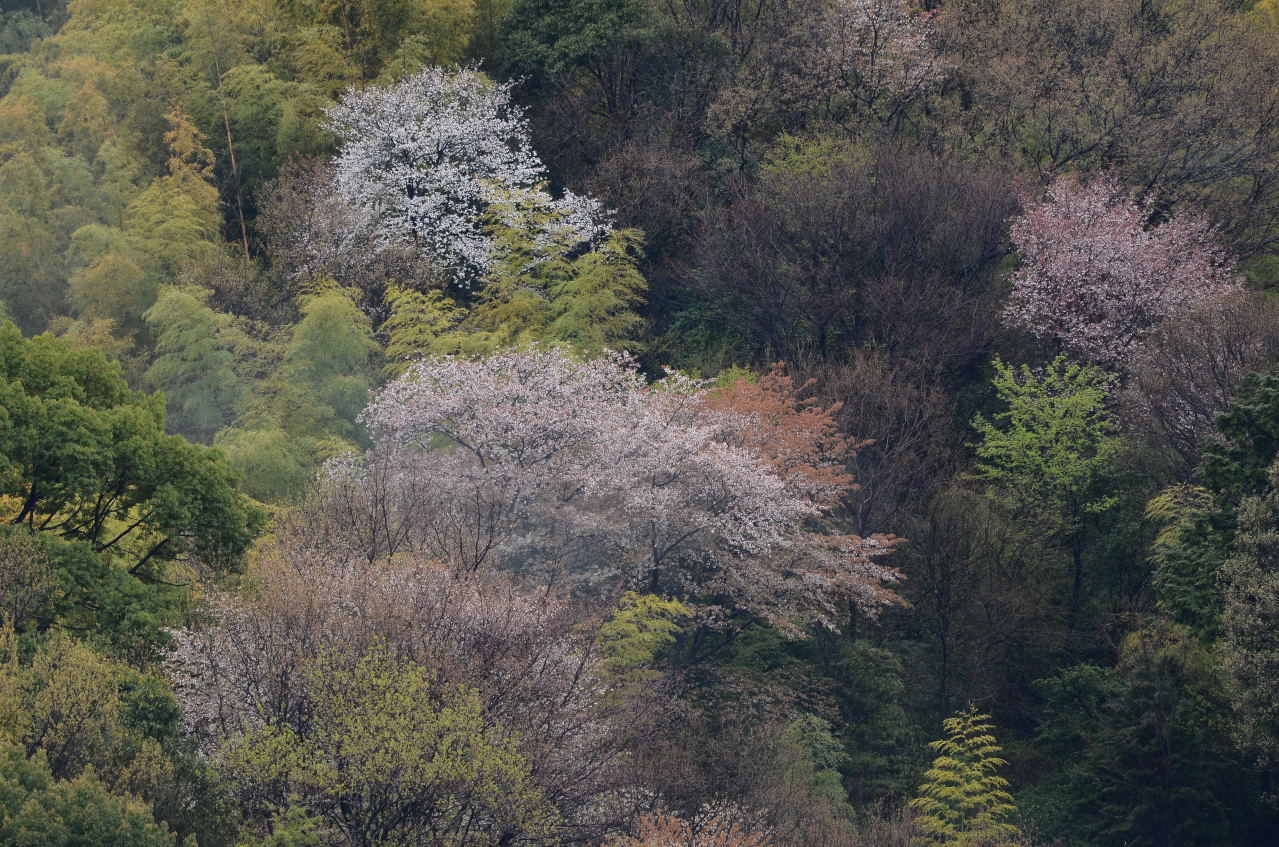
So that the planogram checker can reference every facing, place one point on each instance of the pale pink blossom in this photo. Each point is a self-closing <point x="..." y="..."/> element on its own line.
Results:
<point x="885" y="47"/>
<point x="1098" y="276"/>
<point x="579" y="472"/>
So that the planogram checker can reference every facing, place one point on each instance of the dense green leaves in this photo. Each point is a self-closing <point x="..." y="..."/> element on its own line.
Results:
<point x="39" y="811"/>
<point x="539" y="291"/>
<point x="193" y="364"/>
<point x="1144" y="751"/>
<point x="86" y="459"/>
<point x="1237" y="463"/>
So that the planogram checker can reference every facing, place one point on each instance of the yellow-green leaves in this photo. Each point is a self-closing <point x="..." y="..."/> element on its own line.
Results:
<point x="386" y="751"/>
<point x="537" y="292"/>
<point x="1052" y="444"/>
<point x="963" y="801"/>
<point x="640" y="627"/>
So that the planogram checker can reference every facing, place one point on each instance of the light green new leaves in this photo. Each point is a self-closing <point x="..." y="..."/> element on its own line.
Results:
<point x="389" y="756"/>
<point x="1052" y="444"/>
<point x="539" y="291"/>
<point x="641" y="626"/>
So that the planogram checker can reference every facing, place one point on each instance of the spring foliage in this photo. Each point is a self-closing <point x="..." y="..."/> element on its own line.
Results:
<point x="963" y="801"/>
<point x="387" y="756"/>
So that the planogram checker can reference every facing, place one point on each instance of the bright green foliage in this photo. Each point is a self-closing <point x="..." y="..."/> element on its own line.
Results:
<point x="305" y="394"/>
<point x="38" y="811"/>
<point x="257" y="101"/>
<point x="963" y="800"/>
<point x="282" y="437"/>
<point x="31" y="265"/>
<point x="118" y="177"/>
<point x="60" y="583"/>
<point x="273" y="464"/>
<point x="28" y="581"/>
<point x="86" y="122"/>
<point x="388" y="756"/>
<point x="640" y="627"/>
<point x="1054" y="441"/>
<point x="194" y="365"/>
<point x="1175" y="510"/>
<point x="86" y="711"/>
<point x="596" y="296"/>
<point x="290" y="828"/>
<point x="538" y="291"/>
<point x="253" y="112"/>
<point x="1047" y="456"/>
<point x="315" y="54"/>
<point x="332" y="352"/>
<point x="86" y="459"/>
<point x="541" y="291"/>
<point x="418" y="319"/>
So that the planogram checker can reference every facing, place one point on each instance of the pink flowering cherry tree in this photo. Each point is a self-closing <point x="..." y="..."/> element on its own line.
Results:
<point x="1098" y="276"/>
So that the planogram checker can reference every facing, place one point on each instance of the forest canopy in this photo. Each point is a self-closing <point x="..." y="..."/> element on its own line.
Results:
<point x="537" y="423"/>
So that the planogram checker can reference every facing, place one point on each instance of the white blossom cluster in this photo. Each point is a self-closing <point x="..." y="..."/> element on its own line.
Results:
<point x="579" y="470"/>
<point x="424" y="161"/>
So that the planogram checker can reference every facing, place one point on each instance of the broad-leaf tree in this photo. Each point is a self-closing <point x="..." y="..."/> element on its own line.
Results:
<point x="423" y="160"/>
<point x="86" y="458"/>
<point x="579" y="471"/>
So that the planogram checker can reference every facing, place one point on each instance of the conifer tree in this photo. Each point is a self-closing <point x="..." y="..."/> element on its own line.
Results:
<point x="1249" y="648"/>
<point x="963" y="801"/>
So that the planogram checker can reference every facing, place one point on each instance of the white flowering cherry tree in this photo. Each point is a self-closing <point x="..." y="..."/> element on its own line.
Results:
<point x="423" y="161"/>
<point x="579" y="472"/>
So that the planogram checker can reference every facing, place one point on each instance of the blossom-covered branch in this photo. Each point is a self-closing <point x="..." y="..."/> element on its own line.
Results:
<point x="1098" y="276"/>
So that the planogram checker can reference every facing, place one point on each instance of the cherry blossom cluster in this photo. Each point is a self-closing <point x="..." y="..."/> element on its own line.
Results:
<point x="885" y="45"/>
<point x="580" y="471"/>
<point x="423" y="161"/>
<point x="1098" y="276"/>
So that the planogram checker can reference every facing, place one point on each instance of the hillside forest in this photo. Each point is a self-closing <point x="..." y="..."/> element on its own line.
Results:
<point x="639" y="423"/>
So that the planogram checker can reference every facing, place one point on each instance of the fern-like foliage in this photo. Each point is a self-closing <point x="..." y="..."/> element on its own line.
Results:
<point x="963" y="801"/>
